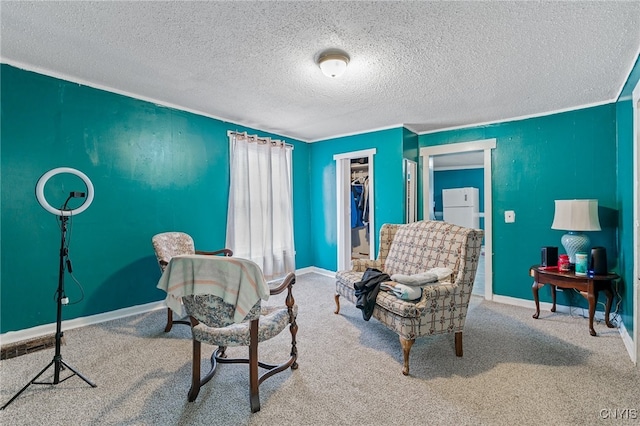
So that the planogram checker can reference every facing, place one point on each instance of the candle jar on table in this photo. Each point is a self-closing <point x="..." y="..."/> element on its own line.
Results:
<point x="563" y="263"/>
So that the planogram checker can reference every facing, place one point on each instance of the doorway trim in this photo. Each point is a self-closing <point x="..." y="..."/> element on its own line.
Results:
<point x="485" y="145"/>
<point x="410" y="169"/>
<point x="343" y="205"/>
<point x="636" y="223"/>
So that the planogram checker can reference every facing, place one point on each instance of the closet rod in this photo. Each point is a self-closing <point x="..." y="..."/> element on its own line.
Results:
<point x="259" y="139"/>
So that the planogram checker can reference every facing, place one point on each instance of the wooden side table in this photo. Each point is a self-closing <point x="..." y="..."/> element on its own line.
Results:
<point x="588" y="286"/>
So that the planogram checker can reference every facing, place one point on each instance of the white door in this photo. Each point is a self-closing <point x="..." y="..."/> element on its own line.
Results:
<point x="411" y="190"/>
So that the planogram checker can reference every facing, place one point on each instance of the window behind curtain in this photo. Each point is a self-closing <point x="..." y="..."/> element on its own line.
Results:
<point x="260" y="210"/>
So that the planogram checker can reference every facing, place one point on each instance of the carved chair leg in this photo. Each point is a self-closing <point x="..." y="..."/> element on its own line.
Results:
<point x="406" y="348"/>
<point x="195" y="369"/>
<point x="337" y="298"/>
<point x="458" y="340"/>
<point x="254" y="391"/>
<point x="167" y="328"/>
<point x="293" y="328"/>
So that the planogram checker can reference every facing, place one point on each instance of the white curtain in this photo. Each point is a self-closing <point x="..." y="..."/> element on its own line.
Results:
<point x="260" y="211"/>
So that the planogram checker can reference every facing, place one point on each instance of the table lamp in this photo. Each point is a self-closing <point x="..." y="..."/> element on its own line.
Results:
<point x="576" y="216"/>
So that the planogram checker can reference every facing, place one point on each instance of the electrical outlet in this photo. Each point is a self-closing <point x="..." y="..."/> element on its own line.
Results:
<point x="509" y="216"/>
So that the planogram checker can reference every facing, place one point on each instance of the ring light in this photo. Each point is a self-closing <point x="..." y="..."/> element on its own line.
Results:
<point x="45" y="178"/>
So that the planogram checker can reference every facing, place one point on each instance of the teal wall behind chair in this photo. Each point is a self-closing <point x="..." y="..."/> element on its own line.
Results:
<point x="154" y="169"/>
<point x="410" y="145"/>
<point x="536" y="161"/>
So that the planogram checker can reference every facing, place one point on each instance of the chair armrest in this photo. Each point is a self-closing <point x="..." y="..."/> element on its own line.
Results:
<point x="287" y="282"/>
<point x="361" y="265"/>
<point x="226" y="252"/>
<point x="436" y="291"/>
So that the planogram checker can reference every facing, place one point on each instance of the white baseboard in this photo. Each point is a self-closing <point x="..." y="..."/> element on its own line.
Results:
<point x="628" y="343"/>
<point x="320" y="271"/>
<point x="47" y="329"/>
<point x="306" y="270"/>
<point x="526" y="303"/>
<point x="546" y="306"/>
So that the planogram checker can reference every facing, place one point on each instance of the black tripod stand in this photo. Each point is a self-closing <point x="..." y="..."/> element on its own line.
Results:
<point x="57" y="361"/>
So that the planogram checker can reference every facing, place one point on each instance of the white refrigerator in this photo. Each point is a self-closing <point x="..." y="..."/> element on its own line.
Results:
<point x="460" y="207"/>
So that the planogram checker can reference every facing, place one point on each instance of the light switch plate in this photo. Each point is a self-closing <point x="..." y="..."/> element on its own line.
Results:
<point x="509" y="216"/>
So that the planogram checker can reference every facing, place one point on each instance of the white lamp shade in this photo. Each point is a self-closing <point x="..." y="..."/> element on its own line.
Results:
<point x="333" y="65"/>
<point x="576" y="215"/>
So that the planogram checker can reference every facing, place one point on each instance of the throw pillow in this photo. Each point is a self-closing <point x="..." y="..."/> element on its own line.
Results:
<point x="433" y="275"/>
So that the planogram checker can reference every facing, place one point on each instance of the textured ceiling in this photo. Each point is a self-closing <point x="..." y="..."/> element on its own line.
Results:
<point x="425" y="65"/>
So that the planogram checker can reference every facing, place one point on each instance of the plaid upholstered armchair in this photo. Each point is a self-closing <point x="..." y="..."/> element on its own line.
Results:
<point x="411" y="250"/>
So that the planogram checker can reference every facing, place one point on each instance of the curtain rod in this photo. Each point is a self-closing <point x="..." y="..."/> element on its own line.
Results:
<point x="259" y="139"/>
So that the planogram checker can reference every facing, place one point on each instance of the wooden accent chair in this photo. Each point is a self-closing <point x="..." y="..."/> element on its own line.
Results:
<point x="169" y="244"/>
<point x="212" y="322"/>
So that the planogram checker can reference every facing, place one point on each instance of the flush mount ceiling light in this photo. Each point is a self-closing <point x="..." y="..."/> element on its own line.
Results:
<point x="333" y="63"/>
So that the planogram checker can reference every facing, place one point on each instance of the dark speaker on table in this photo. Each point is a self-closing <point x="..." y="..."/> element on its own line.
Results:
<point x="598" y="261"/>
<point x="549" y="256"/>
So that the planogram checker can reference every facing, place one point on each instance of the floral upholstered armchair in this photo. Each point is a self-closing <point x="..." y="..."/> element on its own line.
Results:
<point x="169" y="244"/>
<point x="214" y="322"/>
<point x="413" y="249"/>
<point x="222" y="297"/>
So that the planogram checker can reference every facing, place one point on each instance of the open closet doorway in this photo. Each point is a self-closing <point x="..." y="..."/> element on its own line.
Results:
<point x="360" y="208"/>
<point x="429" y="156"/>
<point x="355" y="218"/>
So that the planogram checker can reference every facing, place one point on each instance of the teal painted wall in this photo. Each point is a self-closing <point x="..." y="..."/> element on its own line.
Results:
<point x="154" y="169"/>
<point x="624" y="127"/>
<point x="538" y="160"/>
<point x="411" y="145"/>
<point x="388" y="184"/>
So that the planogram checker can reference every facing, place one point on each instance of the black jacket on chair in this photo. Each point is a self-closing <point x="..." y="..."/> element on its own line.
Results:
<point x="367" y="290"/>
